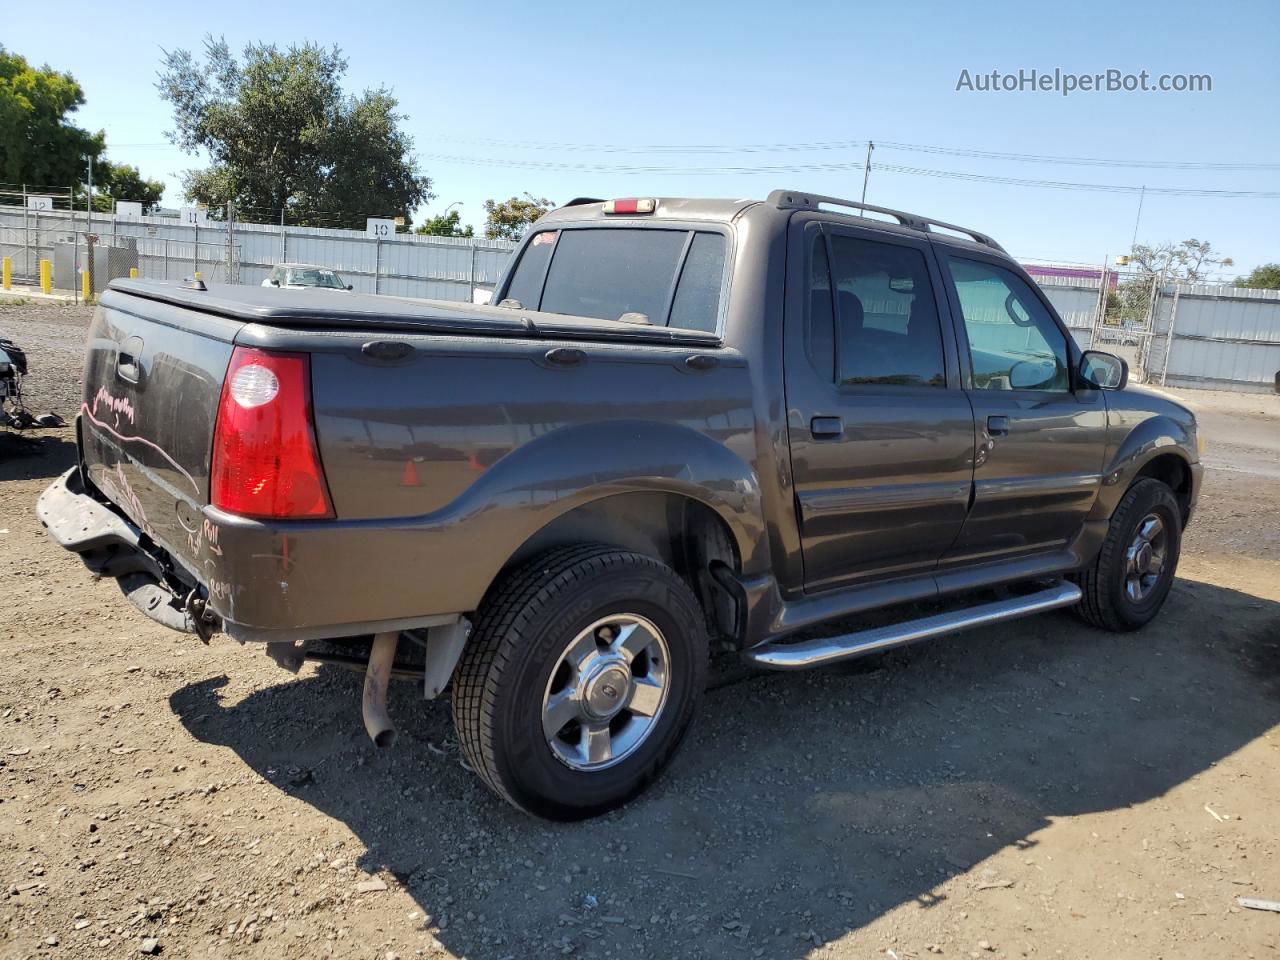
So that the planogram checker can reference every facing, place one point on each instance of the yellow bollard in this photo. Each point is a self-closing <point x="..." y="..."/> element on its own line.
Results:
<point x="84" y="285"/>
<point x="133" y="273"/>
<point x="6" y="273"/>
<point x="46" y="276"/>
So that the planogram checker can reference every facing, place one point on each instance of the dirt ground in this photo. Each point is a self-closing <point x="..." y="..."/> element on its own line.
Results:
<point x="1041" y="789"/>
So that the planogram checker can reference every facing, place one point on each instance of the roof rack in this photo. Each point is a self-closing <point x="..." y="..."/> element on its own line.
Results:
<point x="796" y="200"/>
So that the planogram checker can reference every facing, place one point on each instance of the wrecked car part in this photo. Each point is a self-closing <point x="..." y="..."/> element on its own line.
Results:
<point x="204" y="624"/>
<point x="145" y="593"/>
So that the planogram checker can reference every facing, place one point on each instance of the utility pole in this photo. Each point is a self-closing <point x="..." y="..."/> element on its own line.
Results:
<point x="866" y="170"/>
<point x="1142" y="194"/>
<point x="231" y="236"/>
<point x="26" y="234"/>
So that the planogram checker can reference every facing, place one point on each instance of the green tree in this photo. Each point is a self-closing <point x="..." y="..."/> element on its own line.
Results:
<point x="1190" y="261"/>
<point x="1265" y="277"/>
<point x="39" y="145"/>
<point x="448" y="225"/>
<point x="282" y="135"/>
<point x="119" y="181"/>
<point x="511" y="218"/>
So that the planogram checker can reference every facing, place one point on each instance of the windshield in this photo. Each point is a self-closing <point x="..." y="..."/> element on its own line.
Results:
<point x="315" y="277"/>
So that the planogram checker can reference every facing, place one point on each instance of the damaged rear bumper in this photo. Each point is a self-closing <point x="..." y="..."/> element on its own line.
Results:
<point x="241" y="588"/>
<point x="112" y="546"/>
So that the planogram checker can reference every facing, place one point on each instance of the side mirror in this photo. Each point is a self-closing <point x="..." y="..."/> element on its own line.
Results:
<point x="1103" y="371"/>
<point x="1031" y="374"/>
<point x="275" y="283"/>
<point x="351" y="286"/>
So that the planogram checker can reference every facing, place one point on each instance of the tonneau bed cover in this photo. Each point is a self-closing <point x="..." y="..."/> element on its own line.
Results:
<point x="339" y="309"/>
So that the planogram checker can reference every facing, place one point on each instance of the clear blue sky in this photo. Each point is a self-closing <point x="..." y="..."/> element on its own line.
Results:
<point x="685" y="73"/>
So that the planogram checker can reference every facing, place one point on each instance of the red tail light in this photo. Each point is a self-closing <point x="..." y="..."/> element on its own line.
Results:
<point x="265" y="462"/>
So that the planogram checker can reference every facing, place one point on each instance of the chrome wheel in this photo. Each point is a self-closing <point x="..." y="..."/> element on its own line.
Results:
<point x="1145" y="558"/>
<point x="606" y="692"/>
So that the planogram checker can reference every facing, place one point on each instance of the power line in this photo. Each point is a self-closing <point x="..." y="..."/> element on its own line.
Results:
<point x="1080" y="161"/>
<point x="657" y="170"/>
<point x="828" y="145"/>
<point x="690" y="148"/>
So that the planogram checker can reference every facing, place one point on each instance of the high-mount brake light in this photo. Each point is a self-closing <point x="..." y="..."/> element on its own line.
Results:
<point x="265" y="460"/>
<point x="631" y="205"/>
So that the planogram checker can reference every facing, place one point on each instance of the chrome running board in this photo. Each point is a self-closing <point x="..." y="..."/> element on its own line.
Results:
<point x="824" y="650"/>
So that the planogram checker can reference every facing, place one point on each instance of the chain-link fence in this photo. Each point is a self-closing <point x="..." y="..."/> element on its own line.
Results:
<point x="1124" y="322"/>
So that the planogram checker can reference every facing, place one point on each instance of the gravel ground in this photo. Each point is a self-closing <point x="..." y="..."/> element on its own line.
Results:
<point x="52" y="333"/>
<point x="1040" y="789"/>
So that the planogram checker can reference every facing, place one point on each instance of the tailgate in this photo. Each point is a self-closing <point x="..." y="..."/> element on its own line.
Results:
<point x="153" y="377"/>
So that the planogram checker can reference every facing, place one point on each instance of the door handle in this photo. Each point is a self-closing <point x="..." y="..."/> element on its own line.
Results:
<point x="826" y="428"/>
<point x="127" y="360"/>
<point x="127" y="367"/>
<point x="998" y="426"/>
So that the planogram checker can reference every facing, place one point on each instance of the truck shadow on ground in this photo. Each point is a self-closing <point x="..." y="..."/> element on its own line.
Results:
<point x="804" y="805"/>
<point x="36" y="453"/>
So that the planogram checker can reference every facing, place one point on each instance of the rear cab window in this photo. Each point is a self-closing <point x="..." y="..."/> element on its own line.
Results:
<point x="670" y="277"/>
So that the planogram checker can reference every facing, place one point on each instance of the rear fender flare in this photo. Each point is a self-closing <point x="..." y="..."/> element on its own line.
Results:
<point x="569" y="468"/>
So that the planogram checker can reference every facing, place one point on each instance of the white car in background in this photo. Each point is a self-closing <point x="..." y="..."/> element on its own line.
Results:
<point x="299" y="276"/>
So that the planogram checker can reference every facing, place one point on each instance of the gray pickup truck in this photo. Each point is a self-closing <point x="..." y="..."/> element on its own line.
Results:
<point x="684" y="427"/>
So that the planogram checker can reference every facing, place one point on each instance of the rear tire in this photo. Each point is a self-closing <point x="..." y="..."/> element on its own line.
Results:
<point x="1127" y="584"/>
<point x="581" y="678"/>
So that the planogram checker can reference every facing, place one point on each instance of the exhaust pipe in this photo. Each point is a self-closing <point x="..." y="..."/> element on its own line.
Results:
<point x="374" y="706"/>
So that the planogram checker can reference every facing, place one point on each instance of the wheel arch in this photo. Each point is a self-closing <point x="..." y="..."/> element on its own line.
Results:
<point x="676" y="528"/>
<point x="1161" y="448"/>
<point x="1174" y="471"/>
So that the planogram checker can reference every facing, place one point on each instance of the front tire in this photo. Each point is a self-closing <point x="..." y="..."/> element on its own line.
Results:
<point x="1127" y="585"/>
<point x="580" y="680"/>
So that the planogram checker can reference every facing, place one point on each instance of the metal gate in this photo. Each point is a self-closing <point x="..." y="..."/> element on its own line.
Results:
<point x="1105" y="309"/>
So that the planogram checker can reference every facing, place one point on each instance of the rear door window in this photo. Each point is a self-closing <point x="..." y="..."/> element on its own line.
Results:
<point x="889" y="327"/>
<point x="872" y="311"/>
<point x="670" y="277"/>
